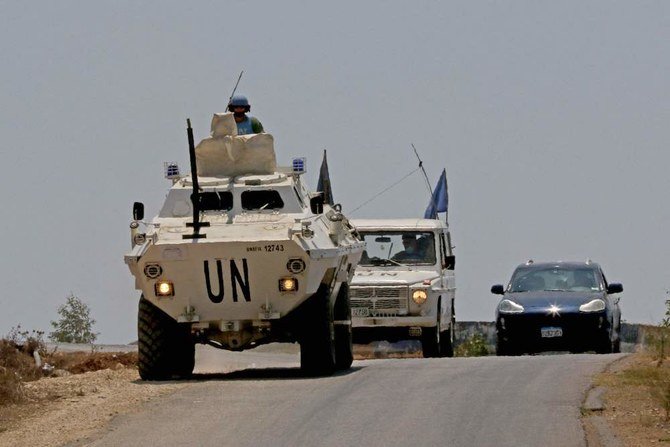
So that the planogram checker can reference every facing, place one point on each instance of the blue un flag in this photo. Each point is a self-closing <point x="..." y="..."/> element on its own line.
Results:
<point x="439" y="201"/>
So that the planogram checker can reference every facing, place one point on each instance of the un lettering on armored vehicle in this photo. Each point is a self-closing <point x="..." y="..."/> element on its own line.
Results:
<point x="404" y="286"/>
<point x="241" y="254"/>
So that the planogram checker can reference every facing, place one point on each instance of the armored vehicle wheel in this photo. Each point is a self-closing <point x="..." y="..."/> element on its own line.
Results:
<point x="344" y="348"/>
<point x="447" y="340"/>
<point x="165" y="349"/>
<point x="317" y="347"/>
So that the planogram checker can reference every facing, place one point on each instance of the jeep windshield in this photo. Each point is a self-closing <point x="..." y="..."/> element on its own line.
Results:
<point x="398" y="248"/>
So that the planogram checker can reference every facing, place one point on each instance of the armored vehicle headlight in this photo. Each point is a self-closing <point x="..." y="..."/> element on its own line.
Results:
<point x="288" y="285"/>
<point x="419" y="296"/>
<point x="295" y="265"/>
<point x="153" y="271"/>
<point x="596" y="305"/>
<point x="139" y="238"/>
<point x="164" y="288"/>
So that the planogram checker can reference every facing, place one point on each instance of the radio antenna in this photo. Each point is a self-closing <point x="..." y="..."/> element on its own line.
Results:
<point x="230" y="98"/>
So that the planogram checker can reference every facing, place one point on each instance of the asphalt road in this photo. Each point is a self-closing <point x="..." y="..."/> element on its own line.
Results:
<point x="489" y="401"/>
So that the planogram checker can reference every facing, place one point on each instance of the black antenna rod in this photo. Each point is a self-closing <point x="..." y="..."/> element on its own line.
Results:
<point x="425" y="176"/>
<point x="195" y="196"/>
<point x="423" y="170"/>
<point x="230" y="98"/>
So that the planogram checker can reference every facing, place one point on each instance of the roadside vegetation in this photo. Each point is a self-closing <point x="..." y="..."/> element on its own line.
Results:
<point x="638" y="388"/>
<point x="24" y="357"/>
<point x="474" y="346"/>
<point x="75" y="324"/>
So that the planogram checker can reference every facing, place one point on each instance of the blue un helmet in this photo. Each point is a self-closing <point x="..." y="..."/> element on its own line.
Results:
<point x="239" y="101"/>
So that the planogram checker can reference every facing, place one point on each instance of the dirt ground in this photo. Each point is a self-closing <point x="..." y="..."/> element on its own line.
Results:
<point x="60" y="410"/>
<point x="634" y="400"/>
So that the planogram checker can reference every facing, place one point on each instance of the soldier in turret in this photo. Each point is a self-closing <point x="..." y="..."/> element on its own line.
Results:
<point x="240" y="106"/>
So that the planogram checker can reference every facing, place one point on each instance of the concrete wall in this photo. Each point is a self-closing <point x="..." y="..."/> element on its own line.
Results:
<point x="632" y="334"/>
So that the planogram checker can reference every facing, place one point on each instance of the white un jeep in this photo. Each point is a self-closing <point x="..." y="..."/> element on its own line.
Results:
<point x="404" y="285"/>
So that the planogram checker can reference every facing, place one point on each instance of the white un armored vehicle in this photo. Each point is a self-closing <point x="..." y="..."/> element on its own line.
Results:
<point x="241" y="254"/>
<point x="404" y="286"/>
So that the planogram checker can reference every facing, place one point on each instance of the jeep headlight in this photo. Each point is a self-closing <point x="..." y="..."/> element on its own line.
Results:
<point x="509" y="307"/>
<point x="596" y="305"/>
<point x="164" y="288"/>
<point x="419" y="296"/>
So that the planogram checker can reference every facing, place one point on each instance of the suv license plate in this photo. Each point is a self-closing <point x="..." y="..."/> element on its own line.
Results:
<point x="360" y="312"/>
<point x="550" y="332"/>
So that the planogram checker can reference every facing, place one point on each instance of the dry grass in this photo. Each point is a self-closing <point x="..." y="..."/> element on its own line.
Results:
<point x="638" y="399"/>
<point x="81" y="362"/>
<point x="18" y="366"/>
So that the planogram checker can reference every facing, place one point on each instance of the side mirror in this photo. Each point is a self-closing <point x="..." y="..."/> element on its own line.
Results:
<point x="614" y="287"/>
<point x="316" y="203"/>
<point x="450" y="262"/>
<point x="138" y="211"/>
<point x="498" y="289"/>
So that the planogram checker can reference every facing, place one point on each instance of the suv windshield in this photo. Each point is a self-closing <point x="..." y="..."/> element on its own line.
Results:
<point x="398" y="248"/>
<point x="529" y="279"/>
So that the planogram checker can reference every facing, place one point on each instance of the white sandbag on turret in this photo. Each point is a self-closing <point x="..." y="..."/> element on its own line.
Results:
<point x="223" y="124"/>
<point x="230" y="156"/>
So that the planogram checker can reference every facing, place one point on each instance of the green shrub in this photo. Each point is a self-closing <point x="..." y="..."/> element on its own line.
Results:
<point x="475" y="346"/>
<point x="75" y="324"/>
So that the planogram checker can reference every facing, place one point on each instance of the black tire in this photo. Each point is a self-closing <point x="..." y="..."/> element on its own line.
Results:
<point x="606" y="345"/>
<point x="317" y="344"/>
<point x="165" y="348"/>
<point x="430" y="342"/>
<point x="503" y="348"/>
<point x="616" y="346"/>
<point x="344" y="348"/>
<point x="447" y="340"/>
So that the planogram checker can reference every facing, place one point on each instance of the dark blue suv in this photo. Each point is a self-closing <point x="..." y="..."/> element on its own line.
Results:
<point x="558" y="306"/>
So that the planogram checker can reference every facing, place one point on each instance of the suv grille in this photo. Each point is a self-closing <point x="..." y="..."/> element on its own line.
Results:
<point x="386" y="301"/>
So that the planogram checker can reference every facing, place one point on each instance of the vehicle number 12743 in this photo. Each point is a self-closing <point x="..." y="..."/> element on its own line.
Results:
<point x="274" y="247"/>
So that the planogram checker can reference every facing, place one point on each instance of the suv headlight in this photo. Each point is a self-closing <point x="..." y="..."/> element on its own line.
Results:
<point x="596" y="305"/>
<point x="419" y="296"/>
<point x="510" y="307"/>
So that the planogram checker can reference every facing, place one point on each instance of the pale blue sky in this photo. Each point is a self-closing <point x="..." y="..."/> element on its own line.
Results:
<point x="552" y="119"/>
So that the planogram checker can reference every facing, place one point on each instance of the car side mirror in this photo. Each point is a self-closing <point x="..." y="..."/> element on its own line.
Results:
<point x="138" y="211"/>
<point x="450" y="262"/>
<point x="614" y="287"/>
<point x="498" y="289"/>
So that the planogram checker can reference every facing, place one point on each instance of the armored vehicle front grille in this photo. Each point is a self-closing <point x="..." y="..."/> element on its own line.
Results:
<point x="379" y="300"/>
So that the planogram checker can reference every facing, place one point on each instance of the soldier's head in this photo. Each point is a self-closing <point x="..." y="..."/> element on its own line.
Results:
<point x="239" y="105"/>
<point x="409" y="242"/>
